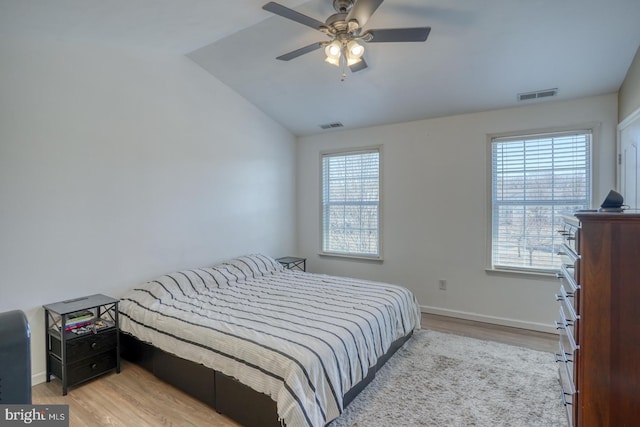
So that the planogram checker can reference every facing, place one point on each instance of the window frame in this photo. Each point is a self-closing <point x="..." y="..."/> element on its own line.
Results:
<point x="591" y="128"/>
<point x="345" y="152"/>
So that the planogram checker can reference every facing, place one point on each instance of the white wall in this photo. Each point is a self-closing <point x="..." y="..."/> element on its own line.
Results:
<point x="118" y="166"/>
<point x="629" y="94"/>
<point x="434" y="195"/>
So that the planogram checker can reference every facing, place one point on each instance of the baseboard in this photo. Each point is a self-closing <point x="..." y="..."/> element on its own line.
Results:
<point x="38" y="378"/>
<point x="503" y="321"/>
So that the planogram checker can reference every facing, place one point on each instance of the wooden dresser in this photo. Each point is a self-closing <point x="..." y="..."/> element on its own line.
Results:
<point x="599" y="319"/>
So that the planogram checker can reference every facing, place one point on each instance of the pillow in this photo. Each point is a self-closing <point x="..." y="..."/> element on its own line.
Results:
<point x="253" y="265"/>
<point x="221" y="276"/>
<point x="177" y="284"/>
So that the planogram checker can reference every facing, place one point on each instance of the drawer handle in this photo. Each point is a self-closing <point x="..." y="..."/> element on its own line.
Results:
<point x="94" y="345"/>
<point x="94" y="366"/>
<point x="563" y="357"/>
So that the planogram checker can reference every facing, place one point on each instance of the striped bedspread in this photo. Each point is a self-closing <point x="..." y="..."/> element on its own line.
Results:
<point x="303" y="339"/>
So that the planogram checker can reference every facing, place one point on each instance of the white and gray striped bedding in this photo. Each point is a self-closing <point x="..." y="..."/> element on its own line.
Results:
<point x="303" y="339"/>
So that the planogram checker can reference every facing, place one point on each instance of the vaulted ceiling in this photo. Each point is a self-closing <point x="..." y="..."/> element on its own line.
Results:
<point x="479" y="54"/>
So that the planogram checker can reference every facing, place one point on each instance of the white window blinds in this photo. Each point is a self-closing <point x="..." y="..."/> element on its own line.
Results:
<point x="535" y="179"/>
<point x="351" y="203"/>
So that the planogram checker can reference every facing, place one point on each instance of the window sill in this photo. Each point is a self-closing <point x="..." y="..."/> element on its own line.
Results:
<point x="378" y="259"/>
<point x="542" y="275"/>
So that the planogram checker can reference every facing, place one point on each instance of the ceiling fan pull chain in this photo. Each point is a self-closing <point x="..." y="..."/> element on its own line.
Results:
<point x="343" y="60"/>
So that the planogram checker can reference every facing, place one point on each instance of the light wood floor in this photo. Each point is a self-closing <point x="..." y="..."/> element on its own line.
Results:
<point x="486" y="331"/>
<point x="136" y="398"/>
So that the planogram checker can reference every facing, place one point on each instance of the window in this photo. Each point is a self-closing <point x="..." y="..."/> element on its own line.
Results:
<point x="534" y="179"/>
<point x="351" y="203"/>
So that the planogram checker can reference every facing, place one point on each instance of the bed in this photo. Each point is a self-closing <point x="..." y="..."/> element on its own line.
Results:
<point x="264" y="344"/>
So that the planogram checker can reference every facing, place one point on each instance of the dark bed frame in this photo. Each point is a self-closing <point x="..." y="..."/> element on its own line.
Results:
<point x="227" y="396"/>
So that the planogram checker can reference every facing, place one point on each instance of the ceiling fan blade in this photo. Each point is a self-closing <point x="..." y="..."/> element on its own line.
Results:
<point x="419" y="34"/>
<point x="358" y="66"/>
<point x="299" y="52"/>
<point x="285" y="12"/>
<point x="362" y="11"/>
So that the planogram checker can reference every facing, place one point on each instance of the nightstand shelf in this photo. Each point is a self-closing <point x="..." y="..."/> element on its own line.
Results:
<point x="82" y="339"/>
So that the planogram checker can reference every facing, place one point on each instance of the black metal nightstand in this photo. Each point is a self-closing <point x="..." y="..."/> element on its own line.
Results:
<point x="291" y="262"/>
<point x="82" y="339"/>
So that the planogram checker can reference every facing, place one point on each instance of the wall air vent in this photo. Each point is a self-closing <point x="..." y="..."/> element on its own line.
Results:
<point x="538" y="94"/>
<point x="331" y="125"/>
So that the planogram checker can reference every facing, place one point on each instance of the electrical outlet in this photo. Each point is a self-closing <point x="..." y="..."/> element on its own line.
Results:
<point x="443" y="284"/>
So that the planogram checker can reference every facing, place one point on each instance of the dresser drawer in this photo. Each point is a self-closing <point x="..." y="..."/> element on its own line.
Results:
<point x="566" y="329"/>
<point x="568" y="389"/>
<point x="565" y="360"/>
<point x="567" y="302"/>
<point x="568" y="278"/>
<point x="86" y="346"/>
<point x="570" y="234"/>
<point x="87" y="368"/>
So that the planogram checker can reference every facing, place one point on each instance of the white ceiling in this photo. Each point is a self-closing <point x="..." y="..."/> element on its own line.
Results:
<point x="479" y="56"/>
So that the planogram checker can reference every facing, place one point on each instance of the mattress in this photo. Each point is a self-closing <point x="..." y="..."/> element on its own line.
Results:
<point x="303" y="339"/>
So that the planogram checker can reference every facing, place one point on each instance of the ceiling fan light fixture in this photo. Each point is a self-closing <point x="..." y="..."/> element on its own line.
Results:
<point x="333" y="49"/>
<point x="333" y="52"/>
<point x="352" y="61"/>
<point x="355" y="49"/>
<point x="333" y="61"/>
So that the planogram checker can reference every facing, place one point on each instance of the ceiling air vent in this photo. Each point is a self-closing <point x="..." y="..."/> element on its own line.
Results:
<point x="538" y="94"/>
<point x="331" y="125"/>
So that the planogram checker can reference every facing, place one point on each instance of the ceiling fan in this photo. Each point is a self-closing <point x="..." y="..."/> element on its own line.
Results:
<point x="345" y="31"/>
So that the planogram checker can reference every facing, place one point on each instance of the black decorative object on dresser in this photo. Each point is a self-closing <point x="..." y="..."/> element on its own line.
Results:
<point x="599" y="357"/>
<point x="82" y="339"/>
<point x="292" y="262"/>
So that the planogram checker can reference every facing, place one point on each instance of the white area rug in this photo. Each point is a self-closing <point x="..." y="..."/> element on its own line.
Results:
<point x="446" y="380"/>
